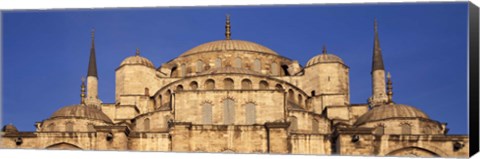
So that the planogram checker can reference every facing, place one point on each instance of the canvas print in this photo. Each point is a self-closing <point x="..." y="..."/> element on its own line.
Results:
<point x="352" y="79"/>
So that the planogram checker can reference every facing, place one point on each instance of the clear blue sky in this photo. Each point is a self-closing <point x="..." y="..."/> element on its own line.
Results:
<point x="45" y="53"/>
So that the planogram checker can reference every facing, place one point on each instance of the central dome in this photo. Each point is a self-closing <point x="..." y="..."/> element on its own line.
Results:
<point x="390" y="111"/>
<point x="229" y="45"/>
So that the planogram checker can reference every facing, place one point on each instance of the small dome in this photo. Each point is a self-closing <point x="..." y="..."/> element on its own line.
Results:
<point x="137" y="60"/>
<point x="229" y="45"/>
<point x="81" y="111"/>
<point x="324" y="57"/>
<point x="390" y="111"/>
<point x="230" y="70"/>
<point x="10" y="128"/>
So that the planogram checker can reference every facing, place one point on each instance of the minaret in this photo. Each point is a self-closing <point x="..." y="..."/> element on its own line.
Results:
<point x="379" y="95"/>
<point x="82" y="91"/>
<point x="228" y="34"/>
<point x="389" y="89"/>
<point x="92" y="77"/>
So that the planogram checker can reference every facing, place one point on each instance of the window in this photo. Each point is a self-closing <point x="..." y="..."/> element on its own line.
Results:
<point x="193" y="85"/>
<point x="228" y="111"/>
<point x="406" y="129"/>
<point x="179" y="88"/>
<point x="218" y="63"/>
<point x="210" y="84"/>
<point x="291" y="95"/>
<point x="207" y="113"/>
<point x="250" y="113"/>
<point x="166" y="98"/>
<point x="315" y="126"/>
<point x="228" y="83"/>
<point x="285" y="70"/>
<point x="183" y="68"/>
<point x="174" y="72"/>
<point x="278" y="87"/>
<point x="313" y="93"/>
<point x="274" y="69"/>
<point x="293" y="123"/>
<point x="199" y="66"/>
<point x="257" y="65"/>
<point x="246" y="84"/>
<point x="300" y="99"/>
<point x="263" y="85"/>
<point x="238" y="62"/>
<point x="69" y="127"/>
<point x="146" y="124"/>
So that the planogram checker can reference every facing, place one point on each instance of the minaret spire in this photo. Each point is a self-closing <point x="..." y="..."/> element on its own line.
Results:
<point x="92" y="63"/>
<point x="227" y="28"/>
<point x="137" y="52"/>
<point x="377" y="63"/>
<point x="324" y="51"/>
<point x="379" y="94"/>
<point x="82" y="91"/>
<point x="389" y="88"/>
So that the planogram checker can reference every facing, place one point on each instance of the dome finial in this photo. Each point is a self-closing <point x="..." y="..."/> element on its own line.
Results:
<point x="324" y="51"/>
<point x="82" y="91"/>
<point x="137" y="52"/>
<point x="389" y="88"/>
<point x="227" y="28"/>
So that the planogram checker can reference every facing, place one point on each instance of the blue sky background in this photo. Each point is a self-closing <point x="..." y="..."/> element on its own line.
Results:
<point x="45" y="53"/>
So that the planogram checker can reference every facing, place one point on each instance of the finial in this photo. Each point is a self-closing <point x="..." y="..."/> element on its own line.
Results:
<point x="389" y="88"/>
<point x="375" y="24"/>
<point x="82" y="91"/>
<point x="227" y="28"/>
<point x="93" y="33"/>
<point x="324" y="51"/>
<point x="137" y="52"/>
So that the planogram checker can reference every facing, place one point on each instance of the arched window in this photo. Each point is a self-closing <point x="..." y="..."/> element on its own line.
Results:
<point x="246" y="84"/>
<point x="263" y="85"/>
<point x="257" y="65"/>
<point x="193" y="85"/>
<point x="69" y="127"/>
<point x="291" y="95"/>
<point x="313" y="93"/>
<point x="406" y="129"/>
<point x="218" y="63"/>
<point x="228" y="111"/>
<point x="274" y="69"/>
<point x="166" y="98"/>
<point x="90" y="127"/>
<point x="250" y="113"/>
<point x="146" y="124"/>
<point x="300" y="99"/>
<point x="179" y="88"/>
<point x="228" y="83"/>
<point x="210" y="84"/>
<point x="293" y="123"/>
<point x="183" y="68"/>
<point x="315" y="126"/>
<point x="278" y="87"/>
<point x="207" y="113"/>
<point x="200" y="66"/>
<point x="237" y="63"/>
<point x="379" y="130"/>
<point x="285" y="70"/>
<point x="174" y="72"/>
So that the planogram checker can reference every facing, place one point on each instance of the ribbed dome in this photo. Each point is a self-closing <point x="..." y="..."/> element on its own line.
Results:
<point x="390" y="111"/>
<point x="137" y="60"/>
<point x="81" y="111"/>
<point x="229" y="45"/>
<point x="324" y="58"/>
<point x="230" y="70"/>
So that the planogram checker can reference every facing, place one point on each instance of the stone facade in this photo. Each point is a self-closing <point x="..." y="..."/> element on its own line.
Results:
<point x="237" y="96"/>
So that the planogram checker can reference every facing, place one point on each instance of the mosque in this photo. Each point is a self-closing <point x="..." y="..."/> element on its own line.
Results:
<point x="237" y="96"/>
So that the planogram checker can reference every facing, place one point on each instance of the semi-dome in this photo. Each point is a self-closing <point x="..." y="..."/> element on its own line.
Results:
<point x="229" y="45"/>
<point x="137" y="60"/>
<point x="390" y="111"/>
<point x="324" y="58"/>
<point x="81" y="111"/>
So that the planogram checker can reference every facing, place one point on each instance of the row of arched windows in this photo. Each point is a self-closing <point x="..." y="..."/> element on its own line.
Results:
<point x="228" y="112"/>
<point x="69" y="127"/>
<point x="201" y="66"/>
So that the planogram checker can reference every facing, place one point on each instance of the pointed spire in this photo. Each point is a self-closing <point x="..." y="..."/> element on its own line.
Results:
<point x="227" y="28"/>
<point x="82" y="91"/>
<point x="92" y="63"/>
<point x="137" y="52"/>
<point x="377" y="51"/>
<point x="389" y="88"/>
<point x="324" y="51"/>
